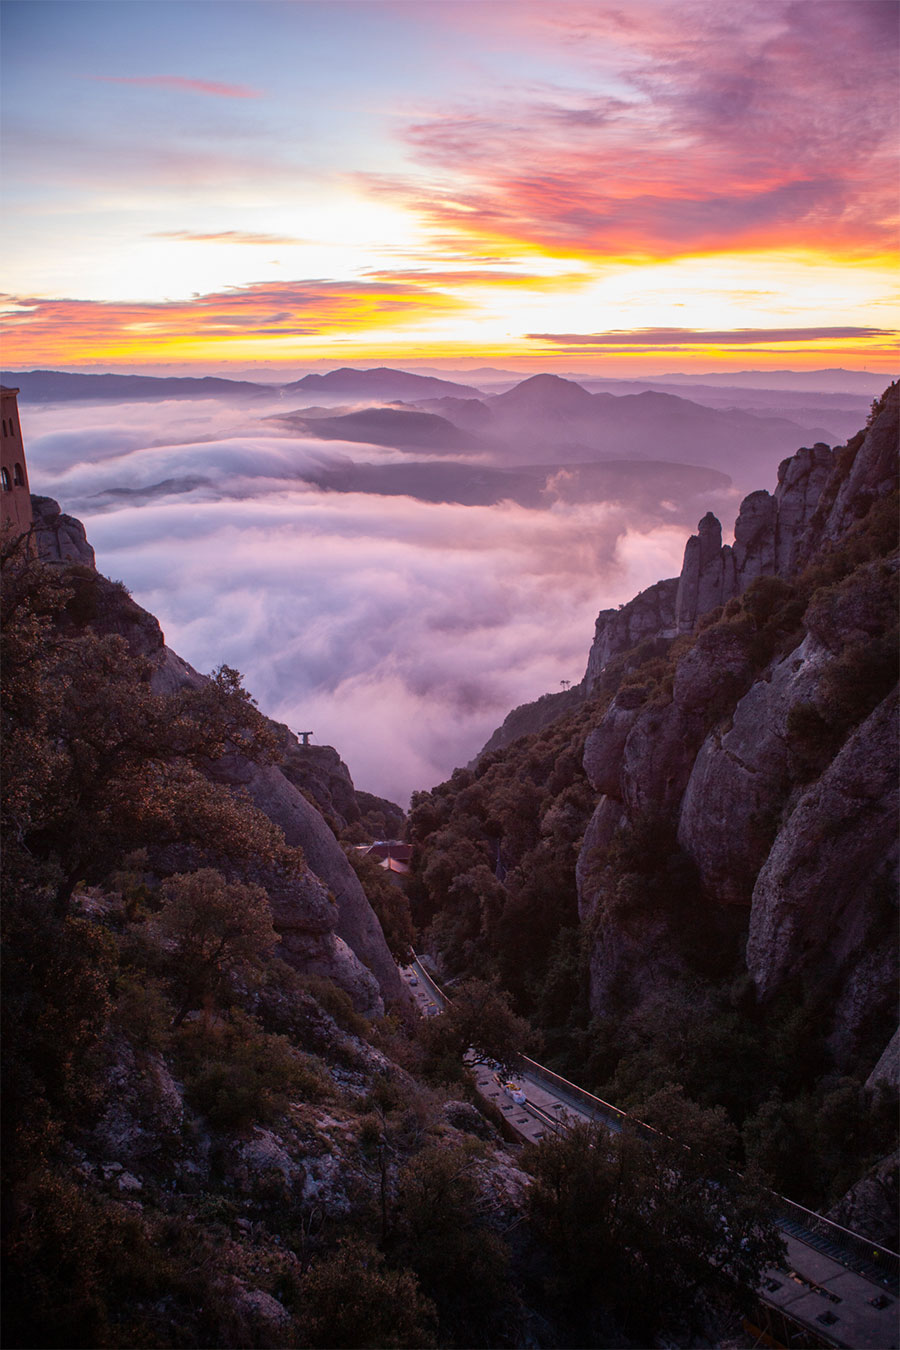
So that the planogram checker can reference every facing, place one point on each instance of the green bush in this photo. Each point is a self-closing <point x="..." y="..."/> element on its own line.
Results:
<point x="236" y="1074"/>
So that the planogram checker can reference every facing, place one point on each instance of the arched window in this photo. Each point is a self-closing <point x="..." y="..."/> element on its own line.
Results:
<point x="18" y="476"/>
<point x="6" y="480"/>
<point x="4" y="427"/>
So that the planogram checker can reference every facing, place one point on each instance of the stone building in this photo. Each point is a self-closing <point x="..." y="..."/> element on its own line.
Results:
<point x="15" y="498"/>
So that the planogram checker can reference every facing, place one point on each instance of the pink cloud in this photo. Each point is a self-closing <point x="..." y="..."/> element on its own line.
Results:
<point x="694" y="129"/>
<point x="180" y="82"/>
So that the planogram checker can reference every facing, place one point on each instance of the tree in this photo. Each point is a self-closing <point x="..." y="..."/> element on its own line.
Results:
<point x="652" y="1227"/>
<point x="479" y="1019"/>
<point x="96" y="763"/>
<point x="216" y="928"/>
<point x="439" y="1231"/>
<point x="353" y="1298"/>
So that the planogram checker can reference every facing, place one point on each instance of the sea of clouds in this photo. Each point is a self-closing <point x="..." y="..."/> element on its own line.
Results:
<point x="399" y="631"/>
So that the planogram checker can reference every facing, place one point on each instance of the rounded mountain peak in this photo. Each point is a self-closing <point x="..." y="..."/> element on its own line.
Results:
<point x="550" y="392"/>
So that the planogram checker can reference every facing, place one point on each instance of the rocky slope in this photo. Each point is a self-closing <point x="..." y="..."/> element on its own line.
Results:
<point x="691" y="876"/>
<point x="773" y="755"/>
<point x="326" y="924"/>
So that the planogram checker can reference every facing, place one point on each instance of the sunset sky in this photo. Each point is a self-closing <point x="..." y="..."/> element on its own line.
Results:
<point x="643" y="186"/>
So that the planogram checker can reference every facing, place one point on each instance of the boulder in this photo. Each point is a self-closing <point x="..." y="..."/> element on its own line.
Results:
<point x="58" y="537"/>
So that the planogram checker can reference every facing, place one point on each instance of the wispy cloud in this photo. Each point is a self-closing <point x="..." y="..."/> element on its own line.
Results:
<point x="775" y="128"/>
<point x="57" y="330"/>
<point x="651" y="338"/>
<point x="183" y="84"/>
<point x="226" y="237"/>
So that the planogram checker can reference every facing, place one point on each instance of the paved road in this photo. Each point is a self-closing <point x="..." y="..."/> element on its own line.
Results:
<point x="838" y="1304"/>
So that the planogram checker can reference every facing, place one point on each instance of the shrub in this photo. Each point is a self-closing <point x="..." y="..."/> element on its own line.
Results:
<point x="236" y="1074"/>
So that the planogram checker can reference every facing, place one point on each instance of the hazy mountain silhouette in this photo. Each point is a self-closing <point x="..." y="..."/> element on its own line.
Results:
<point x="58" y="386"/>
<point x="402" y="428"/>
<point x="555" y="419"/>
<point x="381" y="384"/>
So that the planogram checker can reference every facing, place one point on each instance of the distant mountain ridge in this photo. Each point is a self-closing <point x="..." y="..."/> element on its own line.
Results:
<point x="381" y="383"/>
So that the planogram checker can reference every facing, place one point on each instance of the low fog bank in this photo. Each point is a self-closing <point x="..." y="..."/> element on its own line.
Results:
<point x="397" y="629"/>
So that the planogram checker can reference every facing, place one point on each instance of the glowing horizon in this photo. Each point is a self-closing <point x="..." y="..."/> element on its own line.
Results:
<point x="652" y="186"/>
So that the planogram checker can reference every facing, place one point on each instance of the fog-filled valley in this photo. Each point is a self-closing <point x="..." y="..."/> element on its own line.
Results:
<point x="397" y="575"/>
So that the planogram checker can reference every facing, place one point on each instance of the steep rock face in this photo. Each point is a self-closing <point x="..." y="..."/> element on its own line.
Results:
<point x="771" y="534"/>
<point x="707" y="574"/>
<point x="824" y="899"/>
<point x="872" y="475"/>
<point x="814" y="862"/>
<point x="319" y="770"/>
<point x="607" y="818"/>
<point x="658" y="756"/>
<point x="302" y="825"/>
<point x="342" y="939"/>
<point x="59" y="538"/>
<point x="529" y="718"/>
<point x="870" y="1206"/>
<point x="801" y="480"/>
<point x="604" y="748"/>
<point x="740" y="779"/>
<point x="887" y="1071"/>
<point x="650" y="614"/>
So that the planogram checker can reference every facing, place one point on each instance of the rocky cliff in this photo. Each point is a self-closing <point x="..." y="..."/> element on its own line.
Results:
<point x="766" y="740"/>
<point x="324" y="920"/>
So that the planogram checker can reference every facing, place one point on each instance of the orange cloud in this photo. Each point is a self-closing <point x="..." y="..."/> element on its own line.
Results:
<point x="224" y="323"/>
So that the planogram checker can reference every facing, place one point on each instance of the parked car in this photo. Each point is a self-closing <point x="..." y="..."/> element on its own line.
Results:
<point x="414" y="979"/>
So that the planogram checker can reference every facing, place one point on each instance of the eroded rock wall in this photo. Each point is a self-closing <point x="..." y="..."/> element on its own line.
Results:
<point x="810" y="854"/>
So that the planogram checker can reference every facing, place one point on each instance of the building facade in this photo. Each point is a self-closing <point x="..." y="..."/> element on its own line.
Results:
<point x="15" y="497"/>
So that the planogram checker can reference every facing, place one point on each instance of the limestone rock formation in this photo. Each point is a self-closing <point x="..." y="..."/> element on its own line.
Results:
<point x="604" y="748"/>
<point x="870" y="1206"/>
<point x="320" y="771"/>
<point x="302" y="825"/>
<point x="801" y="480"/>
<point x="650" y="614"/>
<point x="59" y="538"/>
<point x="707" y="573"/>
<point x="778" y="773"/>
<point x="529" y="718"/>
<point x="873" y="473"/>
<point x="824" y="899"/>
<point x="342" y="938"/>
<point x="740" y="779"/>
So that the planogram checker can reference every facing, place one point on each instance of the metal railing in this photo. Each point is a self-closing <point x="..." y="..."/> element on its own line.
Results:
<point x="856" y="1251"/>
<point x="851" y="1249"/>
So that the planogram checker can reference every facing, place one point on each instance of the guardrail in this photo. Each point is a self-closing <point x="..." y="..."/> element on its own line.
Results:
<point x="858" y="1252"/>
<point x="851" y="1249"/>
